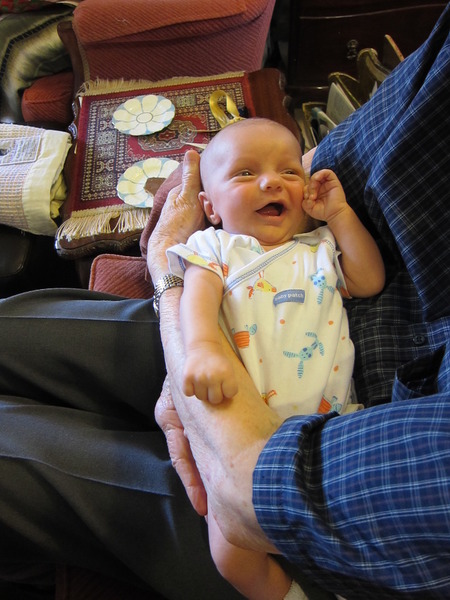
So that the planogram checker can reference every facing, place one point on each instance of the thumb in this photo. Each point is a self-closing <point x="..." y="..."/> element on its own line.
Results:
<point x="190" y="178"/>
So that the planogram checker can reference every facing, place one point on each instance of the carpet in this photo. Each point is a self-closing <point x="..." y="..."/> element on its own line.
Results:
<point x="102" y="154"/>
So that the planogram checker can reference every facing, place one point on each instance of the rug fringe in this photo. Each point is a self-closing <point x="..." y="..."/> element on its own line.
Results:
<point x="94" y="222"/>
<point x="94" y="87"/>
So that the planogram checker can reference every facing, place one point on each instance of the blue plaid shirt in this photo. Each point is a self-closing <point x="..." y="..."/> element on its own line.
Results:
<point x="361" y="504"/>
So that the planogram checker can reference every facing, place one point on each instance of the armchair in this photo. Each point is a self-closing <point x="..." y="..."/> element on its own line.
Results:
<point x="153" y="40"/>
<point x="160" y="39"/>
<point x="135" y="39"/>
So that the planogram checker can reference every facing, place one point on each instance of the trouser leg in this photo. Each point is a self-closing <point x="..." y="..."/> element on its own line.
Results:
<point x="75" y="348"/>
<point x="85" y="477"/>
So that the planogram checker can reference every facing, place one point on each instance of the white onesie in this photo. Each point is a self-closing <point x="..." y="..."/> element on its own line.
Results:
<point x="282" y="312"/>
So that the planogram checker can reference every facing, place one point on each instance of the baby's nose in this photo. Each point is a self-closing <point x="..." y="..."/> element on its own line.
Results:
<point x="270" y="181"/>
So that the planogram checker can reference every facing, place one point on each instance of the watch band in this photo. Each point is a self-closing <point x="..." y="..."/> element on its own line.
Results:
<point x="164" y="283"/>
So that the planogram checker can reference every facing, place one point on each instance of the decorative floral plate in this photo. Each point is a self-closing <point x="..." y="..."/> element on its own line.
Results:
<point x="138" y="185"/>
<point x="143" y="115"/>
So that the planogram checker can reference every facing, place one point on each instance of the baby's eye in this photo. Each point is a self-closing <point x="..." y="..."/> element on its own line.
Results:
<point x="244" y="173"/>
<point x="292" y="172"/>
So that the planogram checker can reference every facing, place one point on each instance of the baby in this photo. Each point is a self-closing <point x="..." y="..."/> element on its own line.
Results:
<point x="273" y="278"/>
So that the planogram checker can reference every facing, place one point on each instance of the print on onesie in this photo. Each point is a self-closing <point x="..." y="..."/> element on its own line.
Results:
<point x="281" y="314"/>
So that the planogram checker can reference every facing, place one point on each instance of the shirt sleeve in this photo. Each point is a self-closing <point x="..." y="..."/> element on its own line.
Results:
<point x="391" y="156"/>
<point x="202" y="249"/>
<point x="340" y="498"/>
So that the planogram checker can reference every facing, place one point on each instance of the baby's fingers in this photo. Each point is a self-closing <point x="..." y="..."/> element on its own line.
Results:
<point x="218" y="393"/>
<point x="215" y="394"/>
<point x="308" y="196"/>
<point x="188" y="387"/>
<point x="230" y="387"/>
<point x="311" y="190"/>
<point x="194" y="385"/>
<point x="204" y="389"/>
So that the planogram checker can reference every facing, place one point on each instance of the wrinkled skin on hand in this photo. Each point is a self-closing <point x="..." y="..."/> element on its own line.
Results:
<point x="181" y="216"/>
<point x="180" y="450"/>
<point x="214" y="448"/>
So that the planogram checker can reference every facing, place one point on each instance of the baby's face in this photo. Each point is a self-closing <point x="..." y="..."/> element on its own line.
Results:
<point x="253" y="182"/>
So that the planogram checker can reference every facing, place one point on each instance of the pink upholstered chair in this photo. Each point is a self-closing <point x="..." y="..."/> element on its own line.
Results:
<point x="158" y="39"/>
<point x="150" y="39"/>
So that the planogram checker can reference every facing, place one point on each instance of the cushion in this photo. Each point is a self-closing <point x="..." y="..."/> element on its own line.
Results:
<point x="30" y="48"/>
<point x="32" y="186"/>
<point x="128" y="275"/>
<point x="145" y="16"/>
<point x="49" y="99"/>
<point x="120" y="275"/>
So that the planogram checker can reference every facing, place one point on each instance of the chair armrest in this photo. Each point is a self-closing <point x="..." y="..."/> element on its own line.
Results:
<point x="120" y="275"/>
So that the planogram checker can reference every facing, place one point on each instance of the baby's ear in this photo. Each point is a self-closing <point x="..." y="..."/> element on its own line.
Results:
<point x="208" y="208"/>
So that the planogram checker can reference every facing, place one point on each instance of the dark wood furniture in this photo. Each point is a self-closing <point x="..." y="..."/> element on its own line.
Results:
<point x="326" y="36"/>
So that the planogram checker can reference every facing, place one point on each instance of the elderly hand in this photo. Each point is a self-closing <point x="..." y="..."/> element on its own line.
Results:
<point x="181" y="216"/>
<point x="179" y="449"/>
<point x="215" y="444"/>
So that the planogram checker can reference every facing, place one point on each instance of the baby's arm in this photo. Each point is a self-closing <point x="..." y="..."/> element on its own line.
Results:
<point x="360" y="258"/>
<point x="208" y="374"/>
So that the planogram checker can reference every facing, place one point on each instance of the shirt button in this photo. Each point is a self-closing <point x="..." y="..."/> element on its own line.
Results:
<point x="419" y="340"/>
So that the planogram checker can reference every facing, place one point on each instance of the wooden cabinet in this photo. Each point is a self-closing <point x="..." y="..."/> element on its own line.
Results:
<point x="326" y="36"/>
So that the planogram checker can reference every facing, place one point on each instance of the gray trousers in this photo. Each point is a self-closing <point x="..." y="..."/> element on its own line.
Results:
<point x="85" y="476"/>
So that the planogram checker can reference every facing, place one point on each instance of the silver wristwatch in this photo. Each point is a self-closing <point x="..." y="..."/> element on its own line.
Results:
<point x="164" y="283"/>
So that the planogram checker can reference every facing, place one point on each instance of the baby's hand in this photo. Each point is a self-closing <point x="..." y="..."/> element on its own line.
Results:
<point x="324" y="196"/>
<point x="209" y="375"/>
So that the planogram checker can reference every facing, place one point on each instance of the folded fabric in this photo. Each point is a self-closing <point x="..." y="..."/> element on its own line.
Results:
<point x="32" y="186"/>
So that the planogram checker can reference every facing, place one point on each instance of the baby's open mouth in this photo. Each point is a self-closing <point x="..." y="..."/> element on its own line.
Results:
<point x="274" y="209"/>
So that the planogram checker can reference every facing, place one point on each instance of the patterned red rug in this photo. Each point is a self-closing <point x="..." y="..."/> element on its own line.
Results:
<point x="102" y="154"/>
